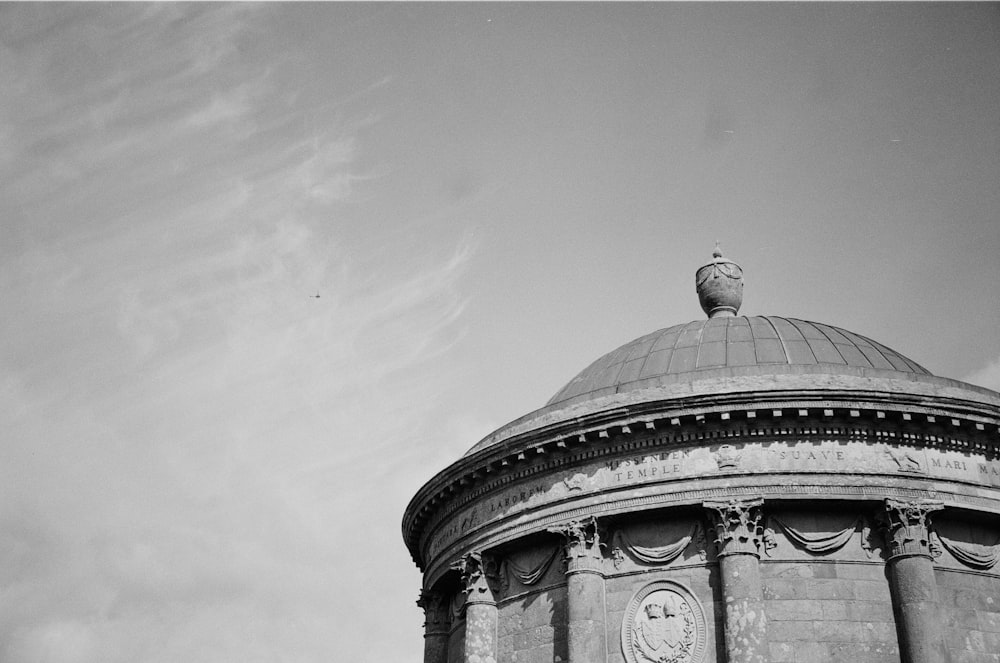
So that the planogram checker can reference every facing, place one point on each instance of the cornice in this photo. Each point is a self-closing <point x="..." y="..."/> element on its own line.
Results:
<point x="752" y="382"/>
<point x="948" y="421"/>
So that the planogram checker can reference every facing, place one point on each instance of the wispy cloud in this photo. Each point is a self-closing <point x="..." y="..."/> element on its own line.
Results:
<point x="231" y="478"/>
<point x="196" y="447"/>
<point x="92" y="91"/>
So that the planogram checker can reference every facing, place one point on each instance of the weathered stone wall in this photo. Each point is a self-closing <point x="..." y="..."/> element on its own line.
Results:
<point x="970" y="613"/>
<point x="532" y="619"/>
<point x="701" y="580"/>
<point x="829" y="611"/>
<point x="969" y="598"/>
<point x="532" y="627"/>
<point x="826" y="592"/>
<point x="692" y="567"/>
<point x="825" y="577"/>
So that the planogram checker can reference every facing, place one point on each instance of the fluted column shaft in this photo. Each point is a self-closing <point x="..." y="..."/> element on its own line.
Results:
<point x="912" y="581"/>
<point x="738" y="537"/>
<point x="586" y="609"/>
<point x="437" y="624"/>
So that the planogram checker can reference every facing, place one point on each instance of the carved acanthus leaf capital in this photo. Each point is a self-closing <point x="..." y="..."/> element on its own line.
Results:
<point x="908" y="527"/>
<point x="479" y="573"/>
<point x="737" y="523"/>
<point x="583" y="544"/>
<point x="437" y="611"/>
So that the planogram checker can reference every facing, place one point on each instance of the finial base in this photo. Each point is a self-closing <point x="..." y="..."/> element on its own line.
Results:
<point x="722" y="312"/>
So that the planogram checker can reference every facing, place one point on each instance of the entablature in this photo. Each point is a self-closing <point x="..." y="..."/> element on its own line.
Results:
<point x="873" y="417"/>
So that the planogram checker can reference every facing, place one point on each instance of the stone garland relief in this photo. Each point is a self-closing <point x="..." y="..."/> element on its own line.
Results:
<point x="664" y="623"/>
<point x="510" y="569"/>
<point x="457" y="607"/>
<point x="902" y="528"/>
<point x="909" y="530"/>
<point x="793" y="455"/>
<point x="816" y="544"/>
<point x="882" y="536"/>
<point x="656" y="555"/>
<point x="873" y="539"/>
<point x="976" y="556"/>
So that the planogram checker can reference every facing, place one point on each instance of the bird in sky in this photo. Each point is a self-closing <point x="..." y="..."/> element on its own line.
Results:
<point x="316" y="296"/>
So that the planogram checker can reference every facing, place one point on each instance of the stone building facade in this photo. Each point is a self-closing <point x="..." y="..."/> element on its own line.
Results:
<point x="735" y="489"/>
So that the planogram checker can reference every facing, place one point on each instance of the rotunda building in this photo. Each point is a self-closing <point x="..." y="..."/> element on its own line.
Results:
<point x="730" y="490"/>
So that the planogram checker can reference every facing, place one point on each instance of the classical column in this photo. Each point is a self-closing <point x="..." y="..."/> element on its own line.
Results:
<point x="911" y="581"/>
<point x="738" y="535"/>
<point x="437" y="622"/>
<point x="479" y="580"/>
<point x="585" y="610"/>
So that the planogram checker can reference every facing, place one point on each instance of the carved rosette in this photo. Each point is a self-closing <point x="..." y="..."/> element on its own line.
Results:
<point x="437" y="612"/>
<point x="737" y="526"/>
<point x="908" y="528"/>
<point x="583" y="545"/>
<point x="480" y="577"/>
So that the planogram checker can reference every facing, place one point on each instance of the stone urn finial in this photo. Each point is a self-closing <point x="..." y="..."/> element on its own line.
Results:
<point x="720" y="286"/>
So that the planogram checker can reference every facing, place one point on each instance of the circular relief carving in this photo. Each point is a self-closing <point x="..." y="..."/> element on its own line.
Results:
<point x="664" y="623"/>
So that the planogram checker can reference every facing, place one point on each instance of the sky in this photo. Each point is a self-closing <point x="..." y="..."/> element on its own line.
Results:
<point x="203" y="461"/>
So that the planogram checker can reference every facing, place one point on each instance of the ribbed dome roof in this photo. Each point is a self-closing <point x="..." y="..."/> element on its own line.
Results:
<point x="682" y="352"/>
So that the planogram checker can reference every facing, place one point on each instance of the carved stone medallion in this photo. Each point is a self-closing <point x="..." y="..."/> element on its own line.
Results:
<point x="664" y="623"/>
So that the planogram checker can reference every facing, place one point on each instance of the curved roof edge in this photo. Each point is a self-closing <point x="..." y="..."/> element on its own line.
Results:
<point x="749" y="380"/>
<point x="888" y="390"/>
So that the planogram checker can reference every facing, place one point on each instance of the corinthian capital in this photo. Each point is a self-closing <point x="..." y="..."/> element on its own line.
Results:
<point x="479" y="576"/>
<point x="437" y="611"/>
<point x="583" y="544"/>
<point x="737" y="526"/>
<point x="908" y="527"/>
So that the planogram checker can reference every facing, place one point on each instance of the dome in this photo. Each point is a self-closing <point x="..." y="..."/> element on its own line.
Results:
<point x="732" y="346"/>
<point x="709" y="461"/>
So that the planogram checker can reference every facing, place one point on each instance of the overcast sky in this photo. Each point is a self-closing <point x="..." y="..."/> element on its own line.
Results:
<point x="201" y="461"/>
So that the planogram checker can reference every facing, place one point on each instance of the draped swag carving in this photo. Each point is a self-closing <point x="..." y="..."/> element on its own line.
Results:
<point x="457" y="606"/>
<point x="509" y="568"/>
<point x="822" y="544"/>
<point x="977" y="556"/>
<point x="650" y="555"/>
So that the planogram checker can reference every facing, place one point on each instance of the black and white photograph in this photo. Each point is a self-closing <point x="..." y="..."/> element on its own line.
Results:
<point x="500" y="332"/>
